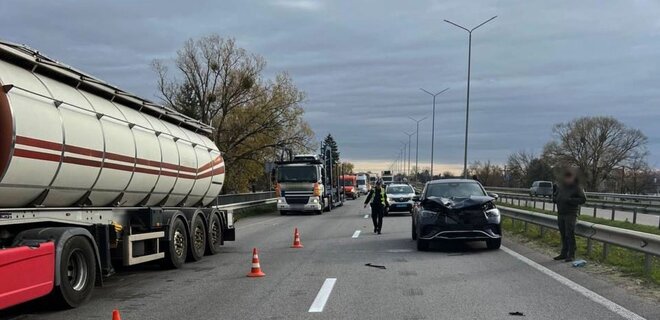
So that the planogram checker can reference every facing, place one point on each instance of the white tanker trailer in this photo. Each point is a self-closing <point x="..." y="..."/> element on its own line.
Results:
<point x="91" y="175"/>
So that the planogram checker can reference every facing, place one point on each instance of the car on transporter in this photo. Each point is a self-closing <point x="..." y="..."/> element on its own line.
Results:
<point x="456" y="209"/>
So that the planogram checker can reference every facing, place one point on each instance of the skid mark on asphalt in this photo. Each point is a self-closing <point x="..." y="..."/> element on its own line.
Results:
<point x="610" y="305"/>
<point x="323" y="295"/>
<point x="356" y="234"/>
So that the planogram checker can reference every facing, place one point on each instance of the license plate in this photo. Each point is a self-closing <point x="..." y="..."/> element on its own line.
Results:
<point x="401" y="205"/>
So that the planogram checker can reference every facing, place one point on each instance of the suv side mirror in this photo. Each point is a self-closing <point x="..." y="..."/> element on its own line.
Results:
<point x="494" y="195"/>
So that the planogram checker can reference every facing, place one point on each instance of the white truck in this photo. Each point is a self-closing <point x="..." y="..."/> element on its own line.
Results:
<point x="92" y="176"/>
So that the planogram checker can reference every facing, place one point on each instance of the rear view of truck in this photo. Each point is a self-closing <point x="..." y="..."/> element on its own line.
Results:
<point x="92" y="177"/>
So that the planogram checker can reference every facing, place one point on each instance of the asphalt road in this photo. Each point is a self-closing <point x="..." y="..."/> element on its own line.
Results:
<point x="455" y="281"/>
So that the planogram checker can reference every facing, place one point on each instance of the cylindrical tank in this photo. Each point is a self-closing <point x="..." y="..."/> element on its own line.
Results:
<point x="68" y="139"/>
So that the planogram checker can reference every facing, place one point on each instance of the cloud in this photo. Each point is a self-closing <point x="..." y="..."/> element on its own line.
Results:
<point x="309" y="5"/>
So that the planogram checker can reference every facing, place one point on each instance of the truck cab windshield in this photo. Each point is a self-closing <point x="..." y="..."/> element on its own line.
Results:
<point x="297" y="174"/>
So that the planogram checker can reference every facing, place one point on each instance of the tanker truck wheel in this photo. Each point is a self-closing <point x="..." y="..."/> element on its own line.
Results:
<point x="214" y="239"/>
<point x="197" y="238"/>
<point x="177" y="247"/>
<point x="77" y="273"/>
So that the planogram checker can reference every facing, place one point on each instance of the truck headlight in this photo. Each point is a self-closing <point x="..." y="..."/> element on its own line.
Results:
<point x="315" y="200"/>
<point x="280" y="200"/>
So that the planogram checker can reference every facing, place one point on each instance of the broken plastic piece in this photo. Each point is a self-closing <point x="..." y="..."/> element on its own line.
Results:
<point x="579" y="263"/>
<point x="517" y="313"/>
<point x="375" y="266"/>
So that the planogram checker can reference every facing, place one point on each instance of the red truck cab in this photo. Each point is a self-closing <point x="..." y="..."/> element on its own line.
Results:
<point x="349" y="183"/>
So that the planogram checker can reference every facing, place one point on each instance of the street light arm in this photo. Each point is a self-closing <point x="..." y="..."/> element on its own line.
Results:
<point x="489" y="20"/>
<point x="442" y="91"/>
<point x="456" y="25"/>
<point x="426" y="91"/>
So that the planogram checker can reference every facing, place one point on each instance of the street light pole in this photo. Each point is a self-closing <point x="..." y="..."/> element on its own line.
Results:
<point x="433" y="124"/>
<point x="467" y="105"/>
<point x="417" y="121"/>
<point x="409" y="143"/>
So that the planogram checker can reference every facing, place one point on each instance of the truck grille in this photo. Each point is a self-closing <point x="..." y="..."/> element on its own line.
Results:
<point x="297" y="200"/>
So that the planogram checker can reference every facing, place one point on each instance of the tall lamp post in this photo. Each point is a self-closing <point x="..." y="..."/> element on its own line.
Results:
<point x="467" y="108"/>
<point x="417" y="121"/>
<point x="409" y="143"/>
<point x="433" y="124"/>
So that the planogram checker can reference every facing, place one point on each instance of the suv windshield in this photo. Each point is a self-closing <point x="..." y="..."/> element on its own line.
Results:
<point x="347" y="182"/>
<point x="361" y="182"/>
<point x="399" y="189"/>
<point x="454" y="190"/>
<point x="297" y="174"/>
<point x="545" y="184"/>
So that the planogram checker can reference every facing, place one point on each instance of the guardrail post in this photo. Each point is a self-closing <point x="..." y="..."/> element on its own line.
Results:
<point x="519" y="202"/>
<point x="648" y="264"/>
<point x="595" y="211"/>
<point x="543" y="205"/>
<point x="634" y="215"/>
<point x="534" y="203"/>
<point x="612" y="214"/>
<point x="606" y="250"/>
<point x="553" y="206"/>
<point x="590" y="246"/>
<point x="542" y="231"/>
<point x="525" y="227"/>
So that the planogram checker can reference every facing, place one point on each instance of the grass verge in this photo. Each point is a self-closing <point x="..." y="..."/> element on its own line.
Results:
<point x="613" y="223"/>
<point x="626" y="262"/>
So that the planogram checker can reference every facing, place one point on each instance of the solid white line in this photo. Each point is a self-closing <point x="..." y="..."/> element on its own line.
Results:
<point x="356" y="234"/>
<point x="323" y="295"/>
<point x="612" y="306"/>
<point x="366" y="216"/>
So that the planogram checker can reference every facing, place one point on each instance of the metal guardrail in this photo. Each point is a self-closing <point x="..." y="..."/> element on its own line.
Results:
<point x="601" y="195"/>
<point x="635" y="208"/>
<point x="225" y="199"/>
<point x="646" y="243"/>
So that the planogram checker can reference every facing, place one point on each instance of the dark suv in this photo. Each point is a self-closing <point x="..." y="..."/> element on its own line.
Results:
<point x="456" y="209"/>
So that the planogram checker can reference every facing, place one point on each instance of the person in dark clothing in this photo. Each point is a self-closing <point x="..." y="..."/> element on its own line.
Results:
<point x="378" y="204"/>
<point x="568" y="195"/>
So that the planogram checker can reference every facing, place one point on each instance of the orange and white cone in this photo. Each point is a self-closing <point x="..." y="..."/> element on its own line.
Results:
<point x="296" y="240"/>
<point x="115" y="315"/>
<point x="256" y="267"/>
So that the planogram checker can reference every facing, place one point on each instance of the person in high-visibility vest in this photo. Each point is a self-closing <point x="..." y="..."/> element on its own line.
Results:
<point x="378" y="204"/>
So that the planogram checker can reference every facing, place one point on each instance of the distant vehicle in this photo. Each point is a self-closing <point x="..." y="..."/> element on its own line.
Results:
<point x="363" y="183"/>
<point x="373" y="179"/>
<point x="300" y="186"/>
<point x="349" y="183"/>
<point x="400" y="197"/>
<point x="456" y="209"/>
<point x="541" y="188"/>
<point x="387" y="177"/>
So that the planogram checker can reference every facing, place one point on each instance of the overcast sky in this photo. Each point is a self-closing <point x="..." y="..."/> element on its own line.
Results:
<point x="361" y="63"/>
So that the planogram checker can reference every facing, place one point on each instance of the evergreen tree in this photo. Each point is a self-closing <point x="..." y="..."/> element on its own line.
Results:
<point x="330" y="141"/>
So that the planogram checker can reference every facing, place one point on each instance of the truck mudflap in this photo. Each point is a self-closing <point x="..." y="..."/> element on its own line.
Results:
<point x="27" y="273"/>
<point x="229" y="234"/>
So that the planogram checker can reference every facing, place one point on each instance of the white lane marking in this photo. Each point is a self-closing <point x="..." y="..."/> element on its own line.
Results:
<point x="366" y="216"/>
<point x="356" y="234"/>
<point x="398" y="250"/>
<point x="612" y="306"/>
<point x="323" y="295"/>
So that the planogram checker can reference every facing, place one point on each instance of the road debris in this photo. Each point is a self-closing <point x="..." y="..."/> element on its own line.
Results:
<point x="517" y="313"/>
<point x="375" y="266"/>
<point x="579" y="263"/>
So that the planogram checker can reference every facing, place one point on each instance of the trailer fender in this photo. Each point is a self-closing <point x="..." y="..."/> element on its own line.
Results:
<point x="59" y="235"/>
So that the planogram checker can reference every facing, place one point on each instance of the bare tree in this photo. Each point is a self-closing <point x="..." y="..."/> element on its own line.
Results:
<point x="221" y="84"/>
<point x="595" y="145"/>
<point x="518" y="167"/>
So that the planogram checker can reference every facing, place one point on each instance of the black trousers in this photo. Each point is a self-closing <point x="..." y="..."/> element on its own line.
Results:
<point x="566" y="224"/>
<point x="377" y="213"/>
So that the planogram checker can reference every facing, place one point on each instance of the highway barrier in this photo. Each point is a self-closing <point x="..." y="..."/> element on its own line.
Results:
<point x="634" y="208"/>
<point x="646" y="243"/>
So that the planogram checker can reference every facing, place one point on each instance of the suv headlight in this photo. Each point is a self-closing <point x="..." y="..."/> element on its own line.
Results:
<point x="427" y="213"/>
<point x="493" y="215"/>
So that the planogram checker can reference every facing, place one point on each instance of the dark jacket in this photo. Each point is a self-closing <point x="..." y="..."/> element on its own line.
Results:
<point x="568" y="199"/>
<point x="377" y="198"/>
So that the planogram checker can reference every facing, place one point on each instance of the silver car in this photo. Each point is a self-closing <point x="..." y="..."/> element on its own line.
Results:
<point x="541" y="188"/>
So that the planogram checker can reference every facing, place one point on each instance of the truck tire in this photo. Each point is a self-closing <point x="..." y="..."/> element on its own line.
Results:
<point x="177" y="246"/>
<point x="214" y="238"/>
<point x="197" y="239"/>
<point x="77" y="273"/>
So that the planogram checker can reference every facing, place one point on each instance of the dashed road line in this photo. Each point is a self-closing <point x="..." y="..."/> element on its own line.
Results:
<point x="612" y="306"/>
<point x="356" y="234"/>
<point x="323" y="295"/>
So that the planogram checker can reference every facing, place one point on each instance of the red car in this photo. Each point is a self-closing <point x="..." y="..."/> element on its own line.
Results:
<point x="349" y="183"/>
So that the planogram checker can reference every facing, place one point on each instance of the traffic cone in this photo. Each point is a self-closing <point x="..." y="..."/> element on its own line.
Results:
<point x="296" y="240"/>
<point x="115" y="315"/>
<point x="256" y="267"/>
